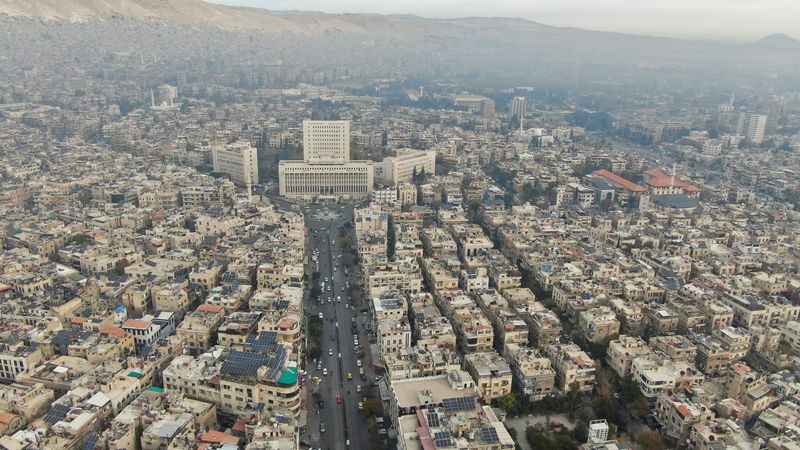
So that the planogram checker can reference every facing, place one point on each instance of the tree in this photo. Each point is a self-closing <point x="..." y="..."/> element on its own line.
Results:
<point x="373" y="407"/>
<point x="651" y="440"/>
<point x="314" y="353"/>
<point x="510" y="404"/>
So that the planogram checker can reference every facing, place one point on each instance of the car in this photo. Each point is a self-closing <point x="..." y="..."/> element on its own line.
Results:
<point x="330" y="352"/>
<point x="339" y="398"/>
<point x="358" y="388"/>
<point x="349" y="376"/>
<point x="320" y="316"/>
<point x="321" y="404"/>
<point x="363" y="377"/>
<point x="360" y="406"/>
<point x="325" y="371"/>
<point x="316" y="378"/>
<point x="329" y="300"/>
<point x="378" y="378"/>
<point x="361" y="370"/>
<point x="338" y="298"/>
<point x="319" y="365"/>
<point x="333" y="337"/>
<point x="322" y="427"/>
<point x="358" y="362"/>
<point x="353" y="319"/>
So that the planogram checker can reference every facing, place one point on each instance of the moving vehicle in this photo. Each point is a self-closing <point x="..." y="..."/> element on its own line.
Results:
<point x="322" y="427"/>
<point x="360" y="406"/>
<point x="358" y="362"/>
<point x="358" y="388"/>
<point x="325" y="371"/>
<point x="330" y="352"/>
<point x="320" y="315"/>
<point x="349" y="375"/>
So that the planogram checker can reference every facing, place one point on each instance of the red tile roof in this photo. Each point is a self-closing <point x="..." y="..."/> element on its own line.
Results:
<point x="207" y="307"/>
<point x="136" y="323"/>
<point x="219" y="436"/>
<point x="614" y="178"/>
<point x="113" y="331"/>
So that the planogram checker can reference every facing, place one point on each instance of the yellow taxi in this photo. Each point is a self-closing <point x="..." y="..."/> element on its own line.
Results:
<point x="349" y="376"/>
<point x="360" y="406"/>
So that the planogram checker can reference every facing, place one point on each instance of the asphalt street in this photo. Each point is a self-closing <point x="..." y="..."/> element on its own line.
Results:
<point x="343" y="421"/>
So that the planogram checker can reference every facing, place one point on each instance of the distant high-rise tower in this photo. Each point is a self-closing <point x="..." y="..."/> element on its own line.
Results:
<point x="167" y="94"/>
<point x="517" y="107"/>
<point x="326" y="141"/>
<point x="752" y="127"/>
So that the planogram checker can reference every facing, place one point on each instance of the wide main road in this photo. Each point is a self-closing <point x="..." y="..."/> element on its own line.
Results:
<point x="342" y="422"/>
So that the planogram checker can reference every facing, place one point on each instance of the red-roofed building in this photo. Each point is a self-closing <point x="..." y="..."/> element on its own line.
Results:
<point x="218" y="437"/>
<point x="627" y="192"/>
<point x="660" y="183"/>
<point x="617" y="180"/>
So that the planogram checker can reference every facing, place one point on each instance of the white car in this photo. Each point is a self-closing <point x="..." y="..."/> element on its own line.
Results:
<point x="320" y="315"/>
<point x="325" y="371"/>
<point x="358" y="362"/>
<point x="358" y="388"/>
<point x="330" y="352"/>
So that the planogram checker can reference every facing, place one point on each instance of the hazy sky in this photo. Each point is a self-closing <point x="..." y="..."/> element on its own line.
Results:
<point x="738" y="20"/>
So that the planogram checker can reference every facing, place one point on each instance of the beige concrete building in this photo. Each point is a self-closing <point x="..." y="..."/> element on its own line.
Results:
<point x="533" y="373"/>
<point x="491" y="373"/>
<point x="406" y="194"/>
<point x="239" y="160"/>
<point x="622" y="351"/>
<point x="299" y="179"/>
<point x="400" y="168"/>
<point x="326" y="141"/>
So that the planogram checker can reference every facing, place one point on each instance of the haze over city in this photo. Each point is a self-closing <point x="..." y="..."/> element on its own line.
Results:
<point x="440" y="225"/>
<point x="730" y="20"/>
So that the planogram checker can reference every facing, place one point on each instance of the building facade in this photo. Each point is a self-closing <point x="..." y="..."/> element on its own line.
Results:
<point x="239" y="160"/>
<point x="326" y="141"/>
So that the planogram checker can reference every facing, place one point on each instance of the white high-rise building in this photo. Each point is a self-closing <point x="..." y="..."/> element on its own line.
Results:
<point x="239" y="160"/>
<point x="598" y="431"/>
<point x="400" y="168"/>
<point x="752" y="127"/>
<point x="326" y="141"/>
<point x="517" y="107"/>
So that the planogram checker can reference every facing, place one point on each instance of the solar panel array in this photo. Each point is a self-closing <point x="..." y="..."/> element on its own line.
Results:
<point x="442" y="439"/>
<point x="56" y="413"/>
<point x="281" y="305"/>
<point x="247" y="363"/>
<point x="243" y="363"/>
<point x="229" y="277"/>
<point x="262" y="342"/>
<point x="433" y="420"/>
<point x="91" y="441"/>
<point x="490" y="435"/>
<point x="452" y="405"/>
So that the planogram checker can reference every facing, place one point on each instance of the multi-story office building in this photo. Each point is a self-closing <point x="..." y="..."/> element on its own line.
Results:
<point x="752" y="127"/>
<point x="401" y="168"/>
<point x="326" y="141"/>
<point x="239" y="160"/>
<point x="326" y="169"/>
